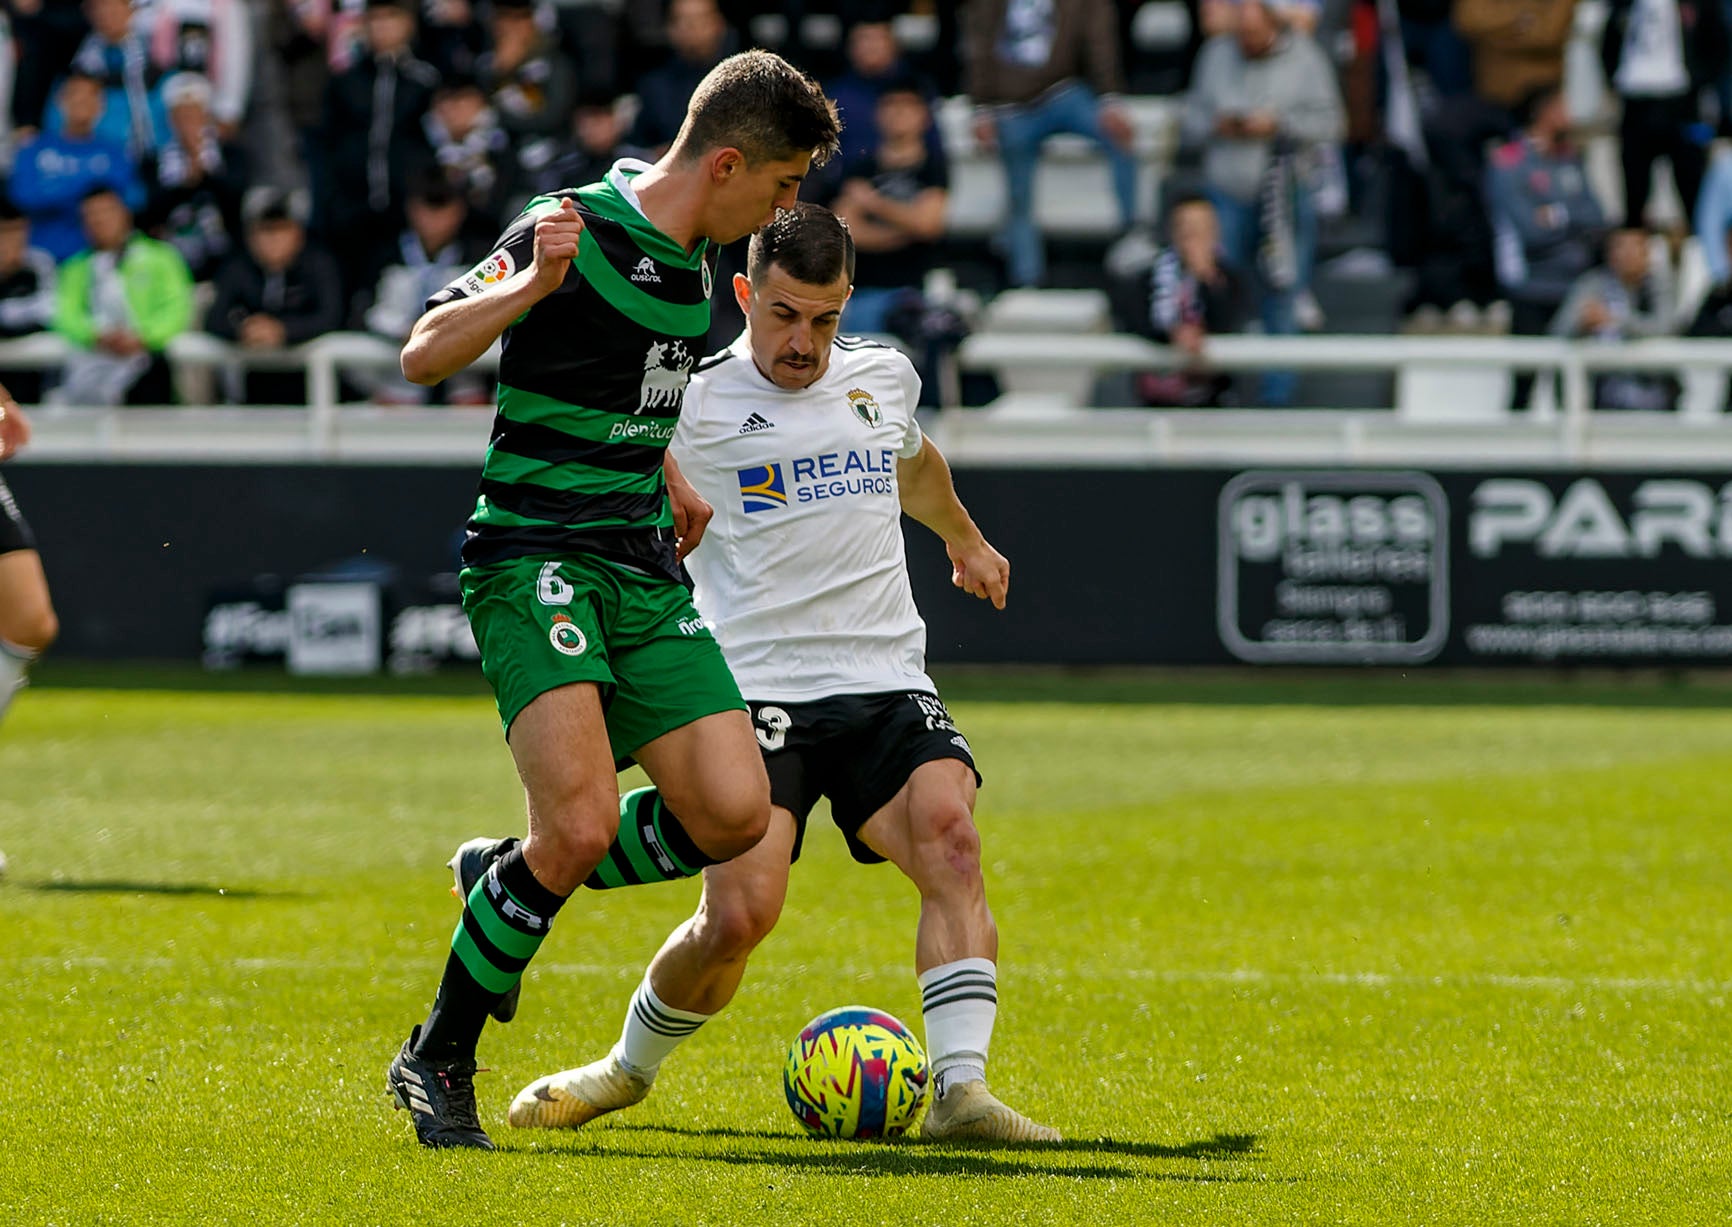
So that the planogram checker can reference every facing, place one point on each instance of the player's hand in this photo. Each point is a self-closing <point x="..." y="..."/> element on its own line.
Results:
<point x="1117" y="127"/>
<point x="981" y="571"/>
<point x="556" y="238"/>
<point x="692" y="512"/>
<point x="14" y="430"/>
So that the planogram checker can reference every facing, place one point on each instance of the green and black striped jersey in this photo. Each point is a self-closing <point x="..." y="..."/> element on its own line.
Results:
<point x="591" y="380"/>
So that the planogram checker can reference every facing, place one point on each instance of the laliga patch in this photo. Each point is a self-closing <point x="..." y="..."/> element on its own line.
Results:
<point x="490" y="272"/>
<point x="566" y="637"/>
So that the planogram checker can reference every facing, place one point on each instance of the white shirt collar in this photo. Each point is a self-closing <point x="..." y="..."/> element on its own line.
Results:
<point x="619" y="178"/>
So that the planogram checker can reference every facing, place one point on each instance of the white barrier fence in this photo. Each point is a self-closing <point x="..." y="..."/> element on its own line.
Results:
<point x="1452" y="396"/>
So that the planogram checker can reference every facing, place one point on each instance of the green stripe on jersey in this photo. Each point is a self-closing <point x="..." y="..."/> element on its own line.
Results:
<point x="522" y="470"/>
<point x="601" y="198"/>
<point x="590" y="425"/>
<point x="644" y="310"/>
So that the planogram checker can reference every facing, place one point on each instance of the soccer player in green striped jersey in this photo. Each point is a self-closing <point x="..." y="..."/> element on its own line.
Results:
<point x="572" y="574"/>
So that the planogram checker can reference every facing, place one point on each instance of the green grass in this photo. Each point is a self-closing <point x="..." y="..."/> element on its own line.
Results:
<point x="1306" y="952"/>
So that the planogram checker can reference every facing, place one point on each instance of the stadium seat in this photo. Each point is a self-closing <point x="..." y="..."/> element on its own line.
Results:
<point x="1048" y="312"/>
<point x="1161" y="25"/>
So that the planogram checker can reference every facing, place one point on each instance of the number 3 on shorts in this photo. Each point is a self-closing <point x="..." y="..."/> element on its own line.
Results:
<point x="550" y="589"/>
<point x="774" y="731"/>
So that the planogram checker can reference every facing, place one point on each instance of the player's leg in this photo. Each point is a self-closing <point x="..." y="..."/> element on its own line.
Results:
<point x="692" y="977"/>
<point x="27" y="621"/>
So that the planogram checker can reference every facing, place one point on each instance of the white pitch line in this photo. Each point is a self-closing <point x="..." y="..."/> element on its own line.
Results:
<point x="1242" y="975"/>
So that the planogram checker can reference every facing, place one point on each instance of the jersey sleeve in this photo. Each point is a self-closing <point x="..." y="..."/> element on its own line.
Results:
<point x="685" y="429"/>
<point x="912" y="438"/>
<point x="514" y="251"/>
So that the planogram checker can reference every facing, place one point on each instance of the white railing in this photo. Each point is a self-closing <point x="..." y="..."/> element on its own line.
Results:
<point x="1451" y="407"/>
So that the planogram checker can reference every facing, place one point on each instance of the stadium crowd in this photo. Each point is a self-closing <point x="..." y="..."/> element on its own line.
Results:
<point x="269" y="171"/>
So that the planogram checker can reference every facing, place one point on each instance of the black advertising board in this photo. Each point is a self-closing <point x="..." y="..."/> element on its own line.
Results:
<point x="1380" y="567"/>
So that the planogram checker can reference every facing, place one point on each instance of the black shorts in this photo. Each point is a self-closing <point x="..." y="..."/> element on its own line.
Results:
<point x="15" y="533"/>
<point x="858" y="750"/>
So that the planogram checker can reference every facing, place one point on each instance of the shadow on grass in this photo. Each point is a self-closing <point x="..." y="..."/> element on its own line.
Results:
<point x="121" y="886"/>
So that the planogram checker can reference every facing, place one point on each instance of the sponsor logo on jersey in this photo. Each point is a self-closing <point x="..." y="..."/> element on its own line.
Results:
<point x="865" y="408"/>
<point x="833" y="475"/>
<point x="566" y="637"/>
<point x="762" y="488"/>
<point x="755" y="423"/>
<point x="695" y="625"/>
<point x="667" y="366"/>
<point x="646" y="272"/>
<point x="490" y="272"/>
<point x="649" y="432"/>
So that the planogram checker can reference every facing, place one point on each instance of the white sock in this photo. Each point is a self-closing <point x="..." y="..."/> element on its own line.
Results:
<point x="652" y="1030"/>
<point x="960" y="1002"/>
<point x="14" y="664"/>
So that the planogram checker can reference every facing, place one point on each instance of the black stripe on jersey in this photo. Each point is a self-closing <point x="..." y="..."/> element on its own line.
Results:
<point x="715" y="360"/>
<point x="856" y="343"/>
<point x="538" y="442"/>
<point x="650" y="551"/>
<point x="571" y="506"/>
<point x="679" y="286"/>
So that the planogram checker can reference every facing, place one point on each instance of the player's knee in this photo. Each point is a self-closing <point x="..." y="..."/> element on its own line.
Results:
<point x="572" y="839"/>
<point x="948" y="842"/>
<point x="736" y="822"/>
<point x="35" y="630"/>
<point x="732" y="929"/>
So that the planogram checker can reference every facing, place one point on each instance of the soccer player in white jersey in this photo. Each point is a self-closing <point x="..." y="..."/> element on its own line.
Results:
<point x="27" y="622"/>
<point x="805" y="444"/>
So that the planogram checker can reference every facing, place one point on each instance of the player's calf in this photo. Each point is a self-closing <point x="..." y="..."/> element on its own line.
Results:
<point x="655" y="845"/>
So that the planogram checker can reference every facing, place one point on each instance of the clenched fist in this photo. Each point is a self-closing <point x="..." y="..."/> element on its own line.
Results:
<point x="556" y="239"/>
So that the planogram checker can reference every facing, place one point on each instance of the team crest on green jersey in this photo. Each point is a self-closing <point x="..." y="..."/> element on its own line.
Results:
<point x="865" y="408"/>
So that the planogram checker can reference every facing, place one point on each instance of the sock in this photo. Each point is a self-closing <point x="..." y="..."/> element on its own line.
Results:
<point x="960" y="1002"/>
<point x="14" y="664"/>
<point x="653" y="1029"/>
<point x="651" y="846"/>
<point x="504" y="921"/>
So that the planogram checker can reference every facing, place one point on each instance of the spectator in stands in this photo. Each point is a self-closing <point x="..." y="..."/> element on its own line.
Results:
<point x="1263" y="103"/>
<point x="529" y="82"/>
<point x="597" y="142"/>
<point x="1714" y="316"/>
<point x="54" y="172"/>
<point x="1547" y="224"/>
<point x="452" y="36"/>
<point x="1037" y="68"/>
<point x="893" y="199"/>
<point x="308" y="40"/>
<point x="374" y="137"/>
<point x="26" y="294"/>
<point x="195" y="181"/>
<point x="1222" y="16"/>
<point x="280" y="291"/>
<point x="213" y="38"/>
<point x="438" y="246"/>
<point x="1518" y="46"/>
<point x="1434" y="46"/>
<point x="48" y="34"/>
<point x="1194" y="293"/>
<point x="1660" y="56"/>
<point x="117" y="55"/>
<point x="470" y="147"/>
<point x="698" y="38"/>
<point x="1626" y="299"/>
<point x="874" y="60"/>
<point x="1713" y="218"/>
<point x="120" y="303"/>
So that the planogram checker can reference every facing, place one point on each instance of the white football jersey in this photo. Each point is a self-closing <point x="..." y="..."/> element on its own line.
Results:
<point x="802" y="571"/>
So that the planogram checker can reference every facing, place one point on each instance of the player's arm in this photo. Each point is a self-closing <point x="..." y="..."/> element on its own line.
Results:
<point x="692" y="512"/>
<point x="929" y="495"/>
<point x="456" y="333"/>
<point x="14" y="426"/>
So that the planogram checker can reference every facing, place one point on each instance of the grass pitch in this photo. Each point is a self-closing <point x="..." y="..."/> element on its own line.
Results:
<point x="1333" y="952"/>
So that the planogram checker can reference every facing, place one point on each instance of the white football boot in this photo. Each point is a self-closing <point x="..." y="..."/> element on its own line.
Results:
<point x="574" y="1097"/>
<point x="971" y="1113"/>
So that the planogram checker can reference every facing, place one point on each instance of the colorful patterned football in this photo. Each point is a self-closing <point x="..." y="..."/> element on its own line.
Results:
<point x="856" y="1072"/>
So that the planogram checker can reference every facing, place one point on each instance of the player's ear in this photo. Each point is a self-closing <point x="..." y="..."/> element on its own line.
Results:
<point x="725" y="164"/>
<point x="743" y="293"/>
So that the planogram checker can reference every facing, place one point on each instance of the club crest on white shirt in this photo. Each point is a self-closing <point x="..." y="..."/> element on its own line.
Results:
<point x="865" y="408"/>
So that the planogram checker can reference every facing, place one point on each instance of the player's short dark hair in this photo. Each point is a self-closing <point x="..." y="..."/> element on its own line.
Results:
<point x="763" y="106"/>
<point x="808" y="242"/>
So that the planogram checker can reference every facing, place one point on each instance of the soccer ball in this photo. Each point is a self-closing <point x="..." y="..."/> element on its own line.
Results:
<point x="856" y="1072"/>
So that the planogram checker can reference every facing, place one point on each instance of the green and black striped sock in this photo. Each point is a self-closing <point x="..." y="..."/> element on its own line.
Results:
<point x="504" y="921"/>
<point x="651" y="846"/>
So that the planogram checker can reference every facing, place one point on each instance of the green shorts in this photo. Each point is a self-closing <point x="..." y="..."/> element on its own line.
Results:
<point x="547" y="622"/>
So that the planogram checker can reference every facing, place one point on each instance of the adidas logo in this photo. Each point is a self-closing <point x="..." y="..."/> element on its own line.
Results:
<point x="755" y="423"/>
<point x="646" y="271"/>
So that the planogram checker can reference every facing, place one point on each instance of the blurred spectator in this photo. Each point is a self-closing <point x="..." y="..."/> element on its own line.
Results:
<point x="470" y="147"/>
<point x="873" y="61"/>
<point x="26" y="294"/>
<point x="1037" y="68"/>
<point x="116" y="54"/>
<point x="213" y="38"/>
<point x="452" y="37"/>
<point x="1518" y="45"/>
<point x="698" y="39"/>
<point x="1659" y="57"/>
<point x="280" y="291"/>
<point x="196" y="181"/>
<point x="121" y="302"/>
<point x="1262" y="105"/>
<point x="1713" y="218"/>
<point x="53" y="173"/>
<point x="1626" y="299"/>
<point x="48" y="33"/>
<point x="1547" y="225"/>
<point x="1435" y="47"/>
<point x="1222" y="16"/>
<point x="528" y="81"/>
<point x="1714" y="317"/>
<point x="434" y="250"/>
<point x="893" y="199"/>
<point x="597" y="142"/>
<point x="374" y="137"/>
<point x="1194" y="293"/>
